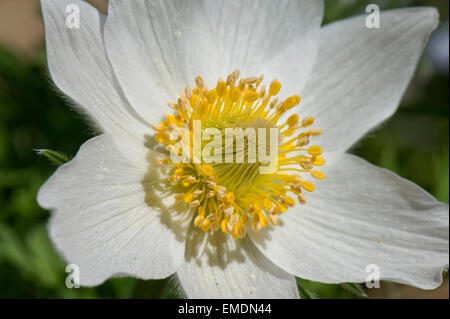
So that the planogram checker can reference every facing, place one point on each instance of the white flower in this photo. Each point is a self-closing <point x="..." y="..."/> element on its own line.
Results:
<point x="111" y="215"/>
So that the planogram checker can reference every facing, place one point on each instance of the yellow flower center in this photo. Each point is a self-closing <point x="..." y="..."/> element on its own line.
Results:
<point x="225" y="195"/>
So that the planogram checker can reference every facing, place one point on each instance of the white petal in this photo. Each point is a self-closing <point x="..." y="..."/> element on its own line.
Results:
<point x="361" y="74"/>
<point x="108" y="218"/>
<point x="218" y="266"/>
<point x="276" y="38"/>
<point x="157" y="48"/>
<point x="361" y="215"/>
<point x="79" y="67"/>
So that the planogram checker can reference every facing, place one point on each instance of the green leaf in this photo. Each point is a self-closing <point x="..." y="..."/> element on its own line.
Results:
<point x="13" y="250"/>
<point x="53" y="156"/>
<point x="441" y="176"/>
<point x="47" y="266"/>
<point x="305" y="291"/>
<point x="355" y="289"/>
<point x="32" y="256"/>
<point x="174" y="289"/>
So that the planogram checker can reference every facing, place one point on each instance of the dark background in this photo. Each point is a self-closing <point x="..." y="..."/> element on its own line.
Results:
<point x="414" y="144"/>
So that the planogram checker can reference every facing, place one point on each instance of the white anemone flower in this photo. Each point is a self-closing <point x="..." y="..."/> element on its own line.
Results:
<point x="114" y="210"/>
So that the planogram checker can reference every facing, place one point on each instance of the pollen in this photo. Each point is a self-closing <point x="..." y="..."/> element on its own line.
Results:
<point x="233" y="196"/>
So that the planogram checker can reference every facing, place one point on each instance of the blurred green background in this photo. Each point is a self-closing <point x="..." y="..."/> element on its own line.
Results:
<point x="414" y="144"/>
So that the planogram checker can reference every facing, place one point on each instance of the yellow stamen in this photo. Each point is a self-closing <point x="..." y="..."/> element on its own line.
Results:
<point x="315" y="150"/>
<point x="308" y="186"/>
<point x="232" y="196"/>
<point x="274" y="88"/>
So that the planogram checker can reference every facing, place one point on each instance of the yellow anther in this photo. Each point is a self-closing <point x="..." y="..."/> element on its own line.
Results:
<point x="188" y="181"/>
<point x="194" y="204"/>
<point x="290" y="102"/>
<point x="288" y="200"/>
<point x="262" y="91"/>
<point x="229" y="198"/>
<point x="199" y="81"/>
<point x="315" y="131"/>
<point x="211" y="96"/>
<point x="221" y="191"/>
<point x="256" y="225"/>
<point x="231" y="79"/>
<point x="289" y="131"/>
<point x="267" y="203"/>
<point x="223" y="225"/>
<point x="205" y="225"/>
<point x="296" y="188"/>
<point x="174" y="179"/>
<point x="163" y="161"/>
<point x="160" y="127"/>
<point x="307" y="121"/>
<point x="307" y="165"/>
<point x="181" y="105"/>
<point x="171" y="119"/>
<point x="292" y="120"/>
<point x="307" y="186"/>
<point x="280" y="207"/>
<point x="221" y="88"/>
<point x="254" y="208"/>
<point x="234" y="219"/>
<point x="296" y="99"/>
<point x="242" y="85"/>
<point x="251" y="80"/>
<point x="302" y="140"/>
<point x="198" y="220"/>
<point x="178" y="171"/>
<point x="179" y="197"/>
<point x="304" y="159"/>
<point x="298" y="179"/>
<point x="212" y="185"/>
<point x="173" y="106"/>
<point x="235" y="95"/>
<point x="202" y="108"/>
<point x="252" y="96"/>
<point x="188" y="198"/>
<point x="194" y="100"/>
<point x="274" y="88"/>
<point x="215" y="225"/>
<point x="315" y="150"/>
<point x="301" y="198"/>
<point x="273" y="103"/>
<point x="274" y="220"/>
<point x="207" y="170"/>
<point x="197" y="193"/>
<point x="263" y="219"/>
<point x="188" y="92"/>
<point x="317" y="174"/>
<point x="242" y="230"/>
<point x="318" y="161"/>
<point x="161" y="138"/>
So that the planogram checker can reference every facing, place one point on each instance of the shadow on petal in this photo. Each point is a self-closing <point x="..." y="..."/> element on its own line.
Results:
<point x="159" y="194"/>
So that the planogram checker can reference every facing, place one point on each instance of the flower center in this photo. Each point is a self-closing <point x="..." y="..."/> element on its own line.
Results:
<point x="223" y="135"/>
